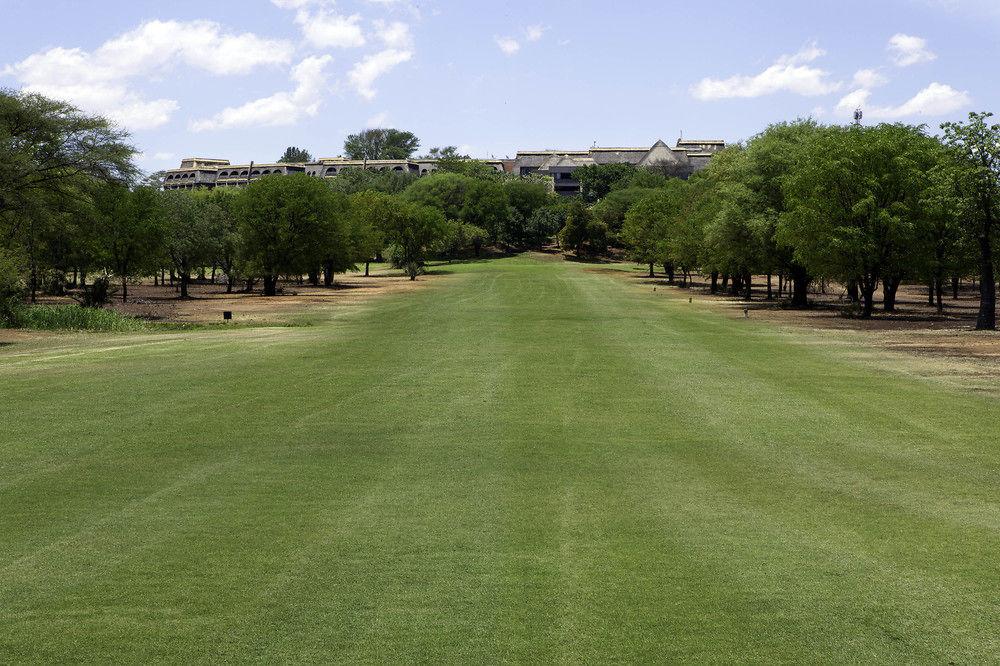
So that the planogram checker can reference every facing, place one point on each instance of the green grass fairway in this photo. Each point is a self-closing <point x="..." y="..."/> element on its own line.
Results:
<point x="527" y="461"/>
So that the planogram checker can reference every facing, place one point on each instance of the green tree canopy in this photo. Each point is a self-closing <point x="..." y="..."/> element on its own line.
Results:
<point x="288" y="225"/>
<point x="381" y="144"/>
<point x="295" y="155"/>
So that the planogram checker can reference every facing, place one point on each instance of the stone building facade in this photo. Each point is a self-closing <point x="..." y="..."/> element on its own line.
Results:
<point x="684" y="158"/>
<point x="202" y="173"/>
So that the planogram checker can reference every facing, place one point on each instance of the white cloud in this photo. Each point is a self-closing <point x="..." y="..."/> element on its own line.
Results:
<point x="395" y="35"/>
<point x="937" y="99"/>
<point x="163" y="157"/>
<point x="364" y="73"/>
<point x="789" y="73"/>
<point x="906" y="50"/>
<point x="325" y="29"/>
<point x="856" y="99"/>
<point x="534" y="32"/>
<point x="378" y="120"/>
<point x="282" y="108"/>
<point x="508" y="45"/>
<point x="869" y="78"/>
<point x="98" y="81"/>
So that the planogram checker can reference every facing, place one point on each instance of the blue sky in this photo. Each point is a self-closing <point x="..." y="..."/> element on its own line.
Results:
<point x="242" y="80"/>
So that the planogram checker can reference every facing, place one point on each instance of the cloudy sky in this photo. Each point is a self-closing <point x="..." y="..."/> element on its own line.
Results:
<point x="243" y="79"/>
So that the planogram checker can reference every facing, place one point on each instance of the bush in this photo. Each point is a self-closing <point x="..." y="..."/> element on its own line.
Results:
<point x="73" y="318"/>
<point x="97" y="294"/>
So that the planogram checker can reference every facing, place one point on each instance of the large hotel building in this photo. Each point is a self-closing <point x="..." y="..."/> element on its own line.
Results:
<point x="686" y="157"/>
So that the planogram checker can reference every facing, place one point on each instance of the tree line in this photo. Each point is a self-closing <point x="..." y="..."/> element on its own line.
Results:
<point x="77" y="216"/>
<point x="868" y="207"/>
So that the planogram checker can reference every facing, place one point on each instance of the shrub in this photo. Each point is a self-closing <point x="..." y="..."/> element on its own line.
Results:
<point x="97" y="294"/>
<point x="74" y="318"/>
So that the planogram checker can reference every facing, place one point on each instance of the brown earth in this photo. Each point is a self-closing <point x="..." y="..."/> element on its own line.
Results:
<point x="208" y="301"/>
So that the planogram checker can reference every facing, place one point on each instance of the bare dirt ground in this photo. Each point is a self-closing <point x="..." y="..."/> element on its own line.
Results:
<point x="914" y="340"/>
<point x="208" y="301"/>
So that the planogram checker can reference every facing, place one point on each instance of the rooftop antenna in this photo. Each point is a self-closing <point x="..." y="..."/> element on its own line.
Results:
<point x="858" y="115"/>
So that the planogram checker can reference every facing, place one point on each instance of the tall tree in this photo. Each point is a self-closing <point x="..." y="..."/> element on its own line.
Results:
<point x="50" y="152"/>
<point x="287" y="225"/>
<point x="295" y="155"/>
<point x="381" y="144"/>
<point x="976" y="145"/>
<point x="129" y="228"/>
<point x="852" y="196"/>
<point x="191" y="232"/>
<point x="413" y="230"/>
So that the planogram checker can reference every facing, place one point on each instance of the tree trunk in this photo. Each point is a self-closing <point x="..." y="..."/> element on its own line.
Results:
<point x="185" y="279"/>
<point x="800" y="286"/>
<point x="954" y="289"/>
<point x="171" y="277"/>
<point x="890" y="285"/>
<point x="736" y="284"/>
<point x="651" y="274"/>
<point x="314" y="277"/>
<point x="725" y="281"/>
<point x="270" y="285"/>
<point x="770" y="292"/>
<point x="368" y="262"/>
<point x="328" y="274"/>
<point x="74" y="278"/>
<point x="853" y="295"/>
<point x="714" y="288"/>
<point x="213" y="273"/>
<point x="987" y="319"/>
<point x="669" y="269"/>
<point x="781" y="284"/>
<point x="930" y="291"/>
<point x="939" y="288"/>
<point x="230" y="282"/>
<point x="748" y="287"/>
<point x="868" y="297"/>
<point x="124" y="289"/>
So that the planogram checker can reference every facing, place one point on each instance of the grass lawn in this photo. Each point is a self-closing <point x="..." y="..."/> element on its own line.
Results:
<point x="528" y="461"/>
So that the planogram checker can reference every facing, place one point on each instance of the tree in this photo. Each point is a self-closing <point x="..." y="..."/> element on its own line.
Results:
<point x="486" y="206"/>
<point x="413" y="229"/>
<point x="544" y="223"/>
<point x="191" y="225"/>
<point x="852" y="195"/>
<point x="129" y="229"/>
<point x="295" y="155"/>
<point x="524" y="196"/>
<point x="448" y="159"/>
<point x="288" y="224"/>
<point x="368" y="213"/>
<point x="612" y="209"/>
<point x="350" y="181"/>
<point x="582" y="233"/>
<point x="51" y="153"/>
<point x="976" y="147"/>
<point x="597" y="180"/>
<point x="644" y="231"/>
<point x="444" y="191"/>
<point x="381" y="144"/>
